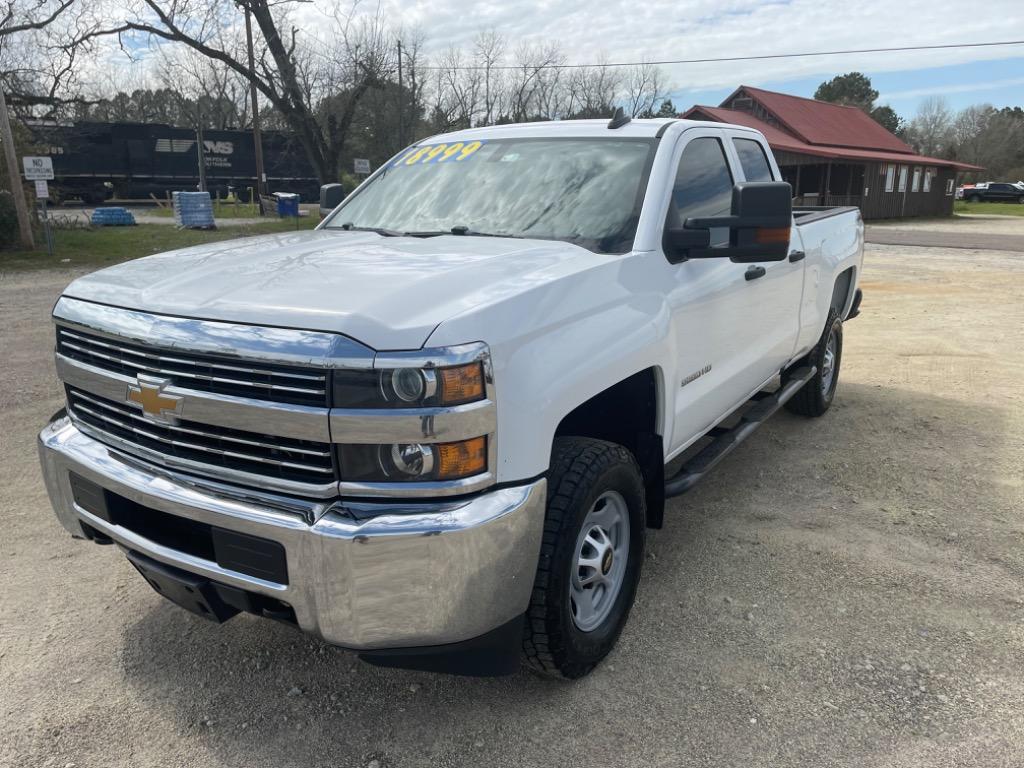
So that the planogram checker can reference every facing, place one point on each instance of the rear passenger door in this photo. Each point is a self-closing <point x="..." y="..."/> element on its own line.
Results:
<point x="780" y="291"/>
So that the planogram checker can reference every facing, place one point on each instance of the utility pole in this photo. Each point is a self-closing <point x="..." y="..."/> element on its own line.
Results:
<point x="17" y="190"/>
<point x="200" y="147"/>
<point x="401" y="122"/>
<point x="261" y="179"/>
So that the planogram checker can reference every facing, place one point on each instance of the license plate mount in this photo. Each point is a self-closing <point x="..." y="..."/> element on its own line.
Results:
<point x="187" y="590"/>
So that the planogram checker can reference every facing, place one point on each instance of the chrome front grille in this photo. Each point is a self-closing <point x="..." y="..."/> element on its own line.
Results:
<point x="205" y="373"/>
<point x="202" y="448"/>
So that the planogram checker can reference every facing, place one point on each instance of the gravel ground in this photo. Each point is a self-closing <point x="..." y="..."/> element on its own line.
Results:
<point x="839" y="592"/>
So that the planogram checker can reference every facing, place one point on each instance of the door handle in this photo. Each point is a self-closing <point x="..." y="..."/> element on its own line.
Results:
<point x="795" y="256"/>
<point x="753" y="273"/>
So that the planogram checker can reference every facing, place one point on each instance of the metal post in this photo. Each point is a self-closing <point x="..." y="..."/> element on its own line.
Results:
<point x="261" y="177"/>
<point x="401" y="122"/>
<point x="46" y="227"/>
<point x="200" y="149"/>
<point x="17" y="190"/>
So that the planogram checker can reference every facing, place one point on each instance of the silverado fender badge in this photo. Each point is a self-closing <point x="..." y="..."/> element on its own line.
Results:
<point x="696" y="375"/>
<point x="148" y="396"/>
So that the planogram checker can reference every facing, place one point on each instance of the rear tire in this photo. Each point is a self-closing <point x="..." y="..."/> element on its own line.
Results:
<point x="596" y="514"/>
<point x="974" y="199"/>
<point x="815" y="397"/>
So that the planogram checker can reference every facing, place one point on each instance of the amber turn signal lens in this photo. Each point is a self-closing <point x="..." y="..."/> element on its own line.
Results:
<point x="462" y="459"/>
<point x="461" y="384"/>
<point x="770" y="235"/>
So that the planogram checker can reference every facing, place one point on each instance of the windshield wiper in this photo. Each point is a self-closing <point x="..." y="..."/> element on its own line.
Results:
<point x="459" y="229"/>
<point x="348" y="226"/>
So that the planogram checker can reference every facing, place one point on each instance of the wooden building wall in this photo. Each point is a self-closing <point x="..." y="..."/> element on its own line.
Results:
<point x="864" y="184"/>
<point x="878" y="203"/>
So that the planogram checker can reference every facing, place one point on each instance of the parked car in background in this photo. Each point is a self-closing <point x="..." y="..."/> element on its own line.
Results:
<point x="995" y="192"/>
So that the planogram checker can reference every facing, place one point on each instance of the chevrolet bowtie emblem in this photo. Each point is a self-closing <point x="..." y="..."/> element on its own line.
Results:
<point x="149" y="396"/>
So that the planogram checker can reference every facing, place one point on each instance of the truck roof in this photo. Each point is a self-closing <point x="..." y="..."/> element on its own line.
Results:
<point x="639" y="128"/>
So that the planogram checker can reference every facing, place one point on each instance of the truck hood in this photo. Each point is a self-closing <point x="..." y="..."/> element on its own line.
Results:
<point x="386" y="292"/>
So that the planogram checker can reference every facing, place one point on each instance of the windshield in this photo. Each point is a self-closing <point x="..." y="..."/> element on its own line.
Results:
<point x="584" y="191"/>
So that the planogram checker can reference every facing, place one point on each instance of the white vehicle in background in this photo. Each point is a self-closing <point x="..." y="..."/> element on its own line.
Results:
<point x="435" y="429"/>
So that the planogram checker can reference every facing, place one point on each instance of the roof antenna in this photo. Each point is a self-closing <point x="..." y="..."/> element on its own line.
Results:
<point x="619" y="119"/>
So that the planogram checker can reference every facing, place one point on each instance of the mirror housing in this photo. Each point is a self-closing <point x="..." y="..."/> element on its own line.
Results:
<point x="759" y="226"/>
<point x="331" y="196"/>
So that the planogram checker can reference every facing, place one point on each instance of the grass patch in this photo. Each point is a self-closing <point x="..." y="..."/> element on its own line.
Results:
<point x="221" y="210"/>
<point x="1001" y="209"/>
<point x="103" y="246"/>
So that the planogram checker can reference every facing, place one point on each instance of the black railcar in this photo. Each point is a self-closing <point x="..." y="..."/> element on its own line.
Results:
<point x="96" y="161"/>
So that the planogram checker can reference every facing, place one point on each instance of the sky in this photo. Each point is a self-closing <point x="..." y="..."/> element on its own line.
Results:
<point x="589" y="30"/>
<point x="627" y="30"/>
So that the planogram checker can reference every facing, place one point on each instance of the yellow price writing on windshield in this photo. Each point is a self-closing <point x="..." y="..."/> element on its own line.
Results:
<point x="439" y="153"/>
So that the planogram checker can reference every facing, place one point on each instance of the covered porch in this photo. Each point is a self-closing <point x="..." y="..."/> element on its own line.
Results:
<point x="819" y="181"/>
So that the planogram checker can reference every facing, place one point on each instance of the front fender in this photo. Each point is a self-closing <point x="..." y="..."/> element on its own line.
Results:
<point x="555" y="345"/>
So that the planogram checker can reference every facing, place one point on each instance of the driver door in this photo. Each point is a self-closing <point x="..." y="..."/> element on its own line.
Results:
<point x="731" y="332"/>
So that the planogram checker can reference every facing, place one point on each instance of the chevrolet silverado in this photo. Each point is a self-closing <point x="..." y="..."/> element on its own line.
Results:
<point x="435" y="429"/>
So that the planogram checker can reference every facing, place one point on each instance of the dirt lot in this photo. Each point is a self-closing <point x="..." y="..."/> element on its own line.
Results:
<point x="840" y="592"/>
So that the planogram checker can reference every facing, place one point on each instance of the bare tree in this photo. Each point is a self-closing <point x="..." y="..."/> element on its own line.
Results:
<point x="488" y="49"/>
<point x="531" y="63"/>
<point x="313" y="84"/>
<point x="219" y="96"/>
<point x="593" y="91"/>
<point x="931" y="130"/>
<point x="645" y="87"/>
<point x="41" y="42"/>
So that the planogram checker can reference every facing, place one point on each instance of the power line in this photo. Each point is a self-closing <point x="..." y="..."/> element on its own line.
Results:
<point x="719" y="59"/>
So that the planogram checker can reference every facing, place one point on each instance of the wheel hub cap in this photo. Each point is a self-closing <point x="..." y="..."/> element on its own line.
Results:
<point x="602" y="549"/>
<point x="828" y="366"/>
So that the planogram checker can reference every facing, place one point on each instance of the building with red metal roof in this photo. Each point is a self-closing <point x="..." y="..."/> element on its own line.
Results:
<point x="837" y="155"/>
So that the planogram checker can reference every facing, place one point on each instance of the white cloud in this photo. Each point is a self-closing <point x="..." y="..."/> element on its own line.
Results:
<point x="669" y="29"/>
<point x="942" y="90"/>
<point x="626" y="30"/>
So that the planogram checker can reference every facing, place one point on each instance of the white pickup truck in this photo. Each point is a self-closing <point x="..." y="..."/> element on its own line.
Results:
<point x="435" y="429"/>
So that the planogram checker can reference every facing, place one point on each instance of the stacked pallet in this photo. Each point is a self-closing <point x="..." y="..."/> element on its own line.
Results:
<point x="112" y="217"/>
<point x="193" y="210"/>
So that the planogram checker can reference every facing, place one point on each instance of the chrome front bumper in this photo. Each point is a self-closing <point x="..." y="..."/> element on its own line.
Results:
<point x="367" y="576"/>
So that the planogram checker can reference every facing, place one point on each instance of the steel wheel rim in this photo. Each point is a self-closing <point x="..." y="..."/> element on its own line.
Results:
<point x="599" y="563"/>
<point x="828" y="365"/>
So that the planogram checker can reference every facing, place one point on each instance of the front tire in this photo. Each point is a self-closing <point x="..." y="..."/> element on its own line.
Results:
<point x="815" y="397"/>
<point x="590" y="557"/>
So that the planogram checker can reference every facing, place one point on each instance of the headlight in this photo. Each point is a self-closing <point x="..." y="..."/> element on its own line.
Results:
<point x="409" y="387"/>
<point x="417" y="417"/>
<point x="413" y="462"/>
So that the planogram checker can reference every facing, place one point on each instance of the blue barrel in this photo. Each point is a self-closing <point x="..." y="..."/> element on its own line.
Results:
<point x="287" y="204"/>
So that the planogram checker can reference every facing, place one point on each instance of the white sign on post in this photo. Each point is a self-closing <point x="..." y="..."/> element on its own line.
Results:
<point x="362" y="165"/>
<point x="37" y="168"/>
<point x="42" y="189"/>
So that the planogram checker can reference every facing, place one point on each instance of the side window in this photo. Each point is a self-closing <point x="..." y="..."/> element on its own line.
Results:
<point x="703" y="186"/>
<point x="753" y="160"/>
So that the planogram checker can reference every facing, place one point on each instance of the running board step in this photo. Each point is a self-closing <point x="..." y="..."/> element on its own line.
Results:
<point x="726" y="440"/>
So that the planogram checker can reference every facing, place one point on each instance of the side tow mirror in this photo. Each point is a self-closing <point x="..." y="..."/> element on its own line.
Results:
<point x="759" y="225"/>
<point x="331" y="196"/>
<point x="679" y="243"/>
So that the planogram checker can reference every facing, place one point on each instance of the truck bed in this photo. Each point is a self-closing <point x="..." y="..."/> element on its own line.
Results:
<point x="805" y="214"/>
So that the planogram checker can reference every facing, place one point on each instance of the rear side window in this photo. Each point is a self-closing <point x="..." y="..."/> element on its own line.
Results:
<point x="703" y="186"/>
<point x="753" y="160"/>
